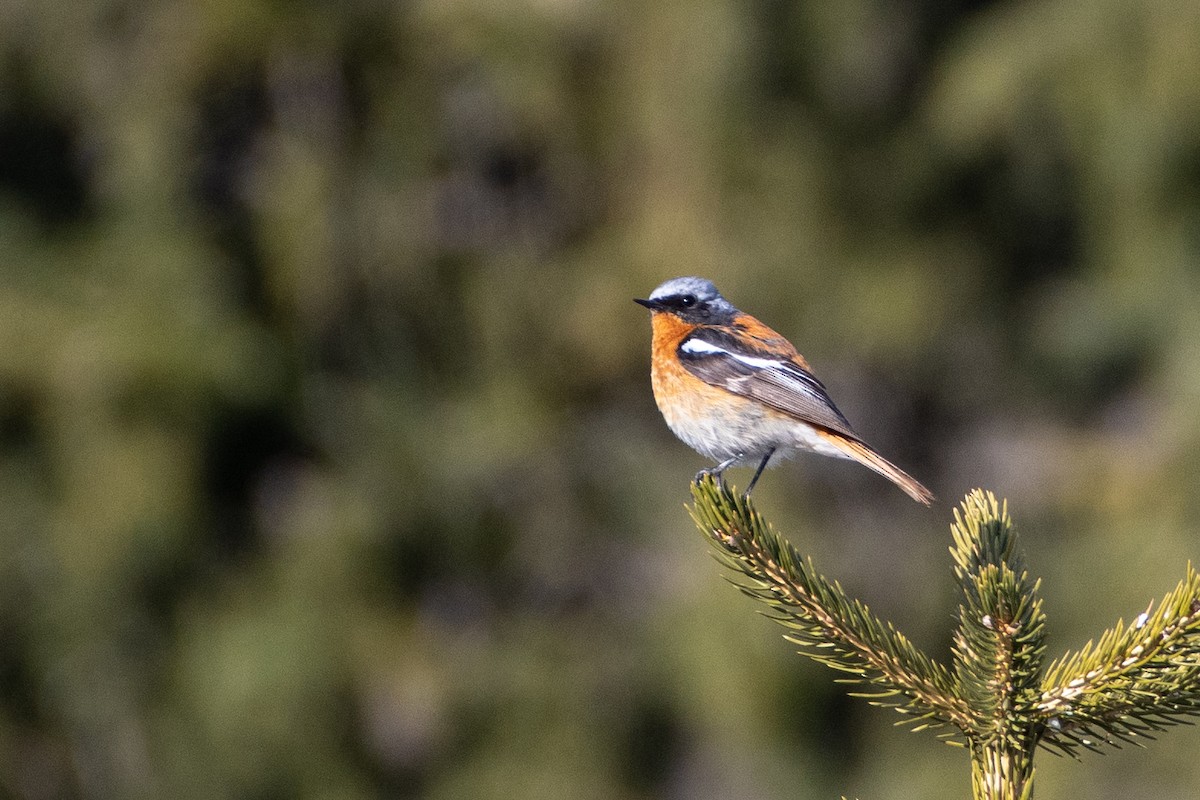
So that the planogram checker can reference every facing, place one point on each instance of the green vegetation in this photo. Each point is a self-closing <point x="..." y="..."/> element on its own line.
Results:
<point x="328" y="461"/>
<point x="1136" y="681"/>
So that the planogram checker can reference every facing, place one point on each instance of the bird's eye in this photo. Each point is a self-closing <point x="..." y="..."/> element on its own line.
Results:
<point x="688" y="300"/>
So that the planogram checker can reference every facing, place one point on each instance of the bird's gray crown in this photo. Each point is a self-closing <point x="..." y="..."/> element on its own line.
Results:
<point x="693" y="300"/>
<point x="702" y="289"/>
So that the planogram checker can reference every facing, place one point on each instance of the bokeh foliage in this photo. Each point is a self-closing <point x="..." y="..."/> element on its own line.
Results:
<point x="327" y="456"/>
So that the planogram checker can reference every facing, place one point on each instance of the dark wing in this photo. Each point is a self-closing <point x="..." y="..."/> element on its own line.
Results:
<point x="719" y="358"/>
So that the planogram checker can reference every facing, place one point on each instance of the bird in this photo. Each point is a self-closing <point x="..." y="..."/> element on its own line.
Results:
<point x="739" y="393"/>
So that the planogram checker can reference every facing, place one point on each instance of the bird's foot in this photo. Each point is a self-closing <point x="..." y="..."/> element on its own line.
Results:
<point x="718" y="472"/>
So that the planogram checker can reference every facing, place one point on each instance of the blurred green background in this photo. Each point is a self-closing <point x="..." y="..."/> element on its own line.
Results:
<point x="329" y="466"/>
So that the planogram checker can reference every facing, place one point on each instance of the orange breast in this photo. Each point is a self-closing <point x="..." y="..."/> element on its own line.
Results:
<point x="670" y="380"/>
<point x="706" y="417"/>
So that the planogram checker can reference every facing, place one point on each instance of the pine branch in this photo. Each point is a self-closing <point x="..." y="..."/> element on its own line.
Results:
<point x="1000" y="641"/>
<point x="828" y="626"/>
<point x="998" y="647"/>
<point x="1138" y="679"/>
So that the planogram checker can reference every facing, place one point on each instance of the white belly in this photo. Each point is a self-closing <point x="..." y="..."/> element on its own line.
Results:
<point x="722" y="432"/>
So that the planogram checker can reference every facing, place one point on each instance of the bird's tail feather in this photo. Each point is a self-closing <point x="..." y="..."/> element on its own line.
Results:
<point x="869" y="458"/>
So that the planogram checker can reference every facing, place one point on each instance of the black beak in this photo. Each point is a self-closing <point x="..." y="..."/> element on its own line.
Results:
<point x="653" y="305"/>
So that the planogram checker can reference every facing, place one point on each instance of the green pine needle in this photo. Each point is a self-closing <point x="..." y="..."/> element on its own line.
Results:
<point x="1137" y="679"/>
<point x="999" y="644"/>
<point x="828" y="626"/>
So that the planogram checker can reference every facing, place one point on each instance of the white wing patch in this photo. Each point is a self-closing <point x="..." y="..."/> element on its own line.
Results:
<point x="778" y="383"/>
<point x="701" y="347"/>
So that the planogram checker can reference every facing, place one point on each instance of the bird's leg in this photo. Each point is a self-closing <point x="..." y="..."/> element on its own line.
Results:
<point x="761" y="466"/>
<point x="718" y="470"/>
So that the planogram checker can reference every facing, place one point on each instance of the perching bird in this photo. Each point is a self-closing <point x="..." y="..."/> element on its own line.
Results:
<point x="739" y="393"/>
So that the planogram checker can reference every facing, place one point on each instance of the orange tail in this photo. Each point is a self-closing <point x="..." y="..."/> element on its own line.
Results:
<point x="869" y="458"/>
